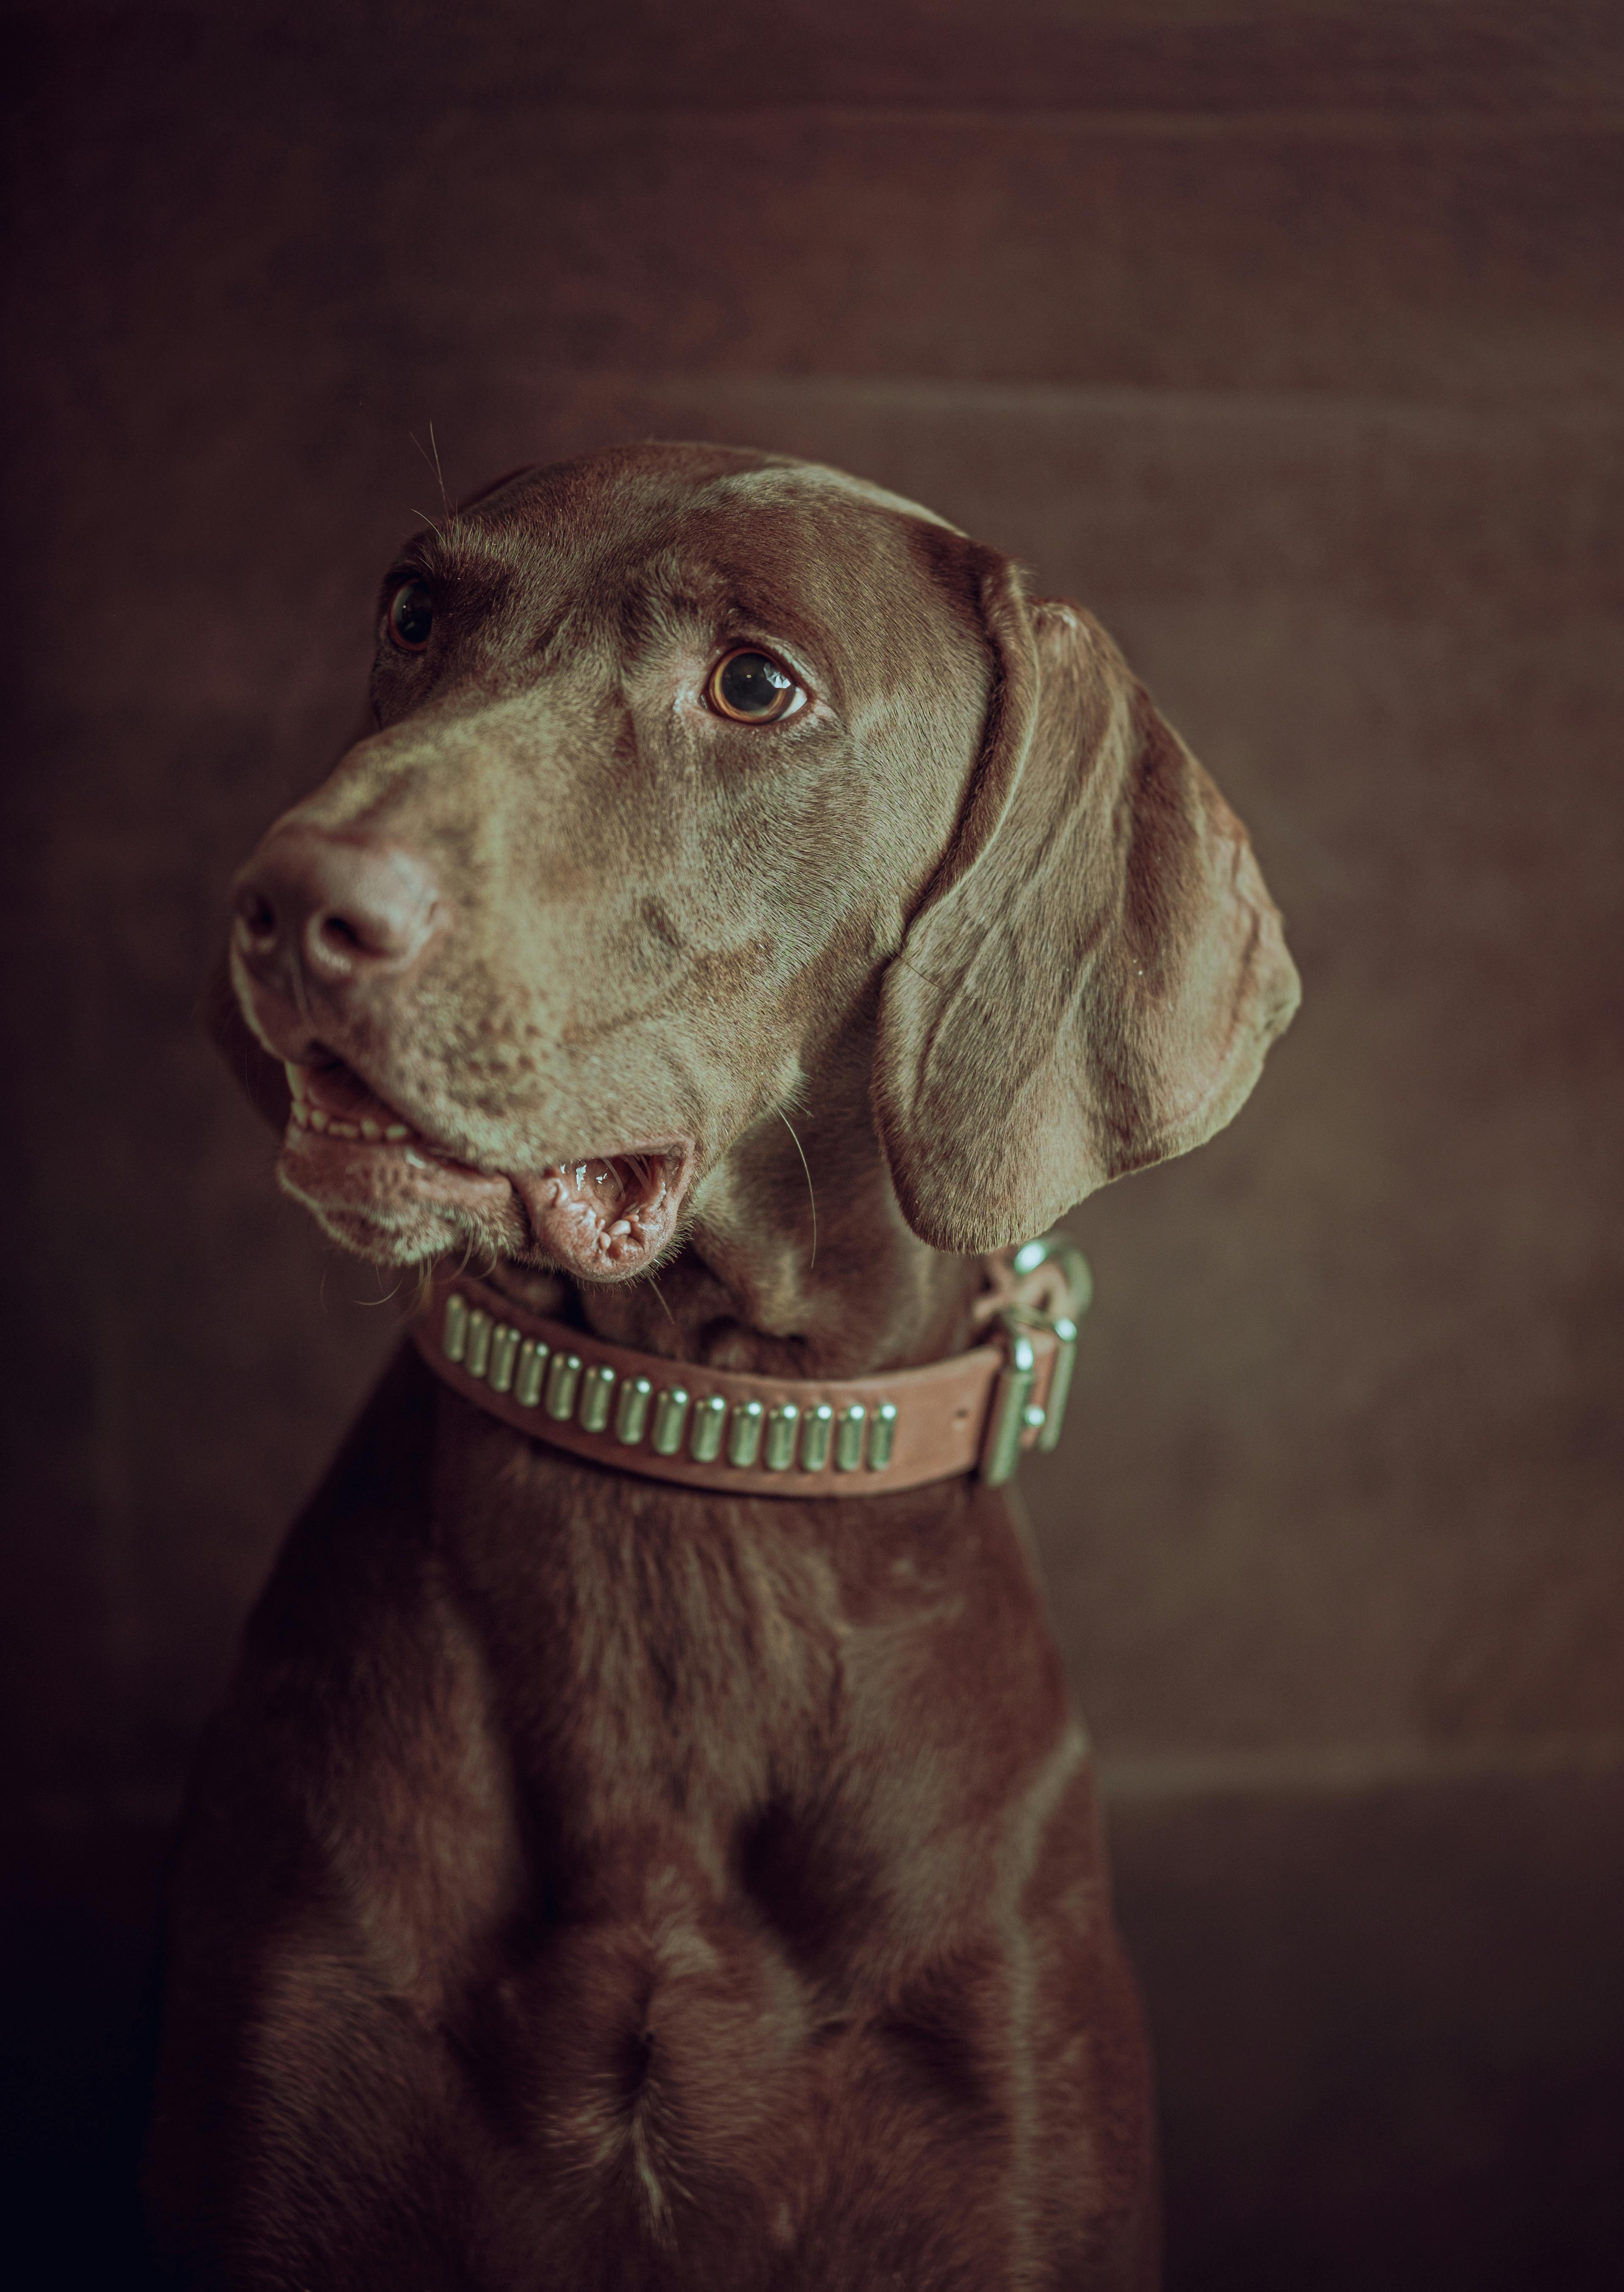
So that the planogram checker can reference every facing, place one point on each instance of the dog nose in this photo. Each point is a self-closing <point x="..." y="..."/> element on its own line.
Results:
<point x="336" y="908"/>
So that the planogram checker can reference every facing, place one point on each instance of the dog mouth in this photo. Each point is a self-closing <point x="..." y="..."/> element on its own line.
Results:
<point x="595" y="1215"/>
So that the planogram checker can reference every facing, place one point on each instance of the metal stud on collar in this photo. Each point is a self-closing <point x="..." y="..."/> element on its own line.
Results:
<point x="784" y="1438"/>
<point x="627" y="1411"/>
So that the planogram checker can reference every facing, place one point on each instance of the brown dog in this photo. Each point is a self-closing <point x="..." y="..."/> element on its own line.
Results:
<point x="602" y="1882"/>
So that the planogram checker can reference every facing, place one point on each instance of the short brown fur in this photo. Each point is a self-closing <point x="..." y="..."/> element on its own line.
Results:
<point x="592" y="1882"/>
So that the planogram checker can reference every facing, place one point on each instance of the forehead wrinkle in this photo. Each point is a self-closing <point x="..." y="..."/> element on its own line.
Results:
<point x="739" y="600"/>
<point x="532" y="588"/>
<point x="797" y="564"/>
<point x="832" y="554"/>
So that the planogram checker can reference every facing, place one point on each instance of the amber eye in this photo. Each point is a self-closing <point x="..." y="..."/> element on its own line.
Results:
<point x="411" y="616"/>
<point x="752" y="688"/>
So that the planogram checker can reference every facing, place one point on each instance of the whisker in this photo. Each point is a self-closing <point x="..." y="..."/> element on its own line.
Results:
<point x="810" y="1197"/>
<point x="422" y="1273"/>
<point x="445" y="509"/>
<point x="445" y="502"/>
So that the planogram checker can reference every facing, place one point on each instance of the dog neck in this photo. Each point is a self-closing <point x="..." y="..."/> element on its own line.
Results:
<point x="796" y="1260"/>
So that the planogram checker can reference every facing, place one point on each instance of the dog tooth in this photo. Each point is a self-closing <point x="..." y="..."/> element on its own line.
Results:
<point x="369" y="1128"/>
<point x="296" y="1079"/>
<point x="301" y="1114"/>
<point x="621" y="1225"/>
<point x="342" y="1130"/>
<point x="319" y="1117"/>
<point x="396" y="1130"/>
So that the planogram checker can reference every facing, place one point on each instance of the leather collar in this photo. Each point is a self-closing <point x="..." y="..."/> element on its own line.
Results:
<point x="765" y="1436"/>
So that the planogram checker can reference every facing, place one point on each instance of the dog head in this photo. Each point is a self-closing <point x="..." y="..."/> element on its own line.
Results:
<point x="691" y="766"/>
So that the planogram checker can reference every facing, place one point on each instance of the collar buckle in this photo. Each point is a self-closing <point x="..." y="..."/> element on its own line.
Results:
<point x="1054" y="1270"/>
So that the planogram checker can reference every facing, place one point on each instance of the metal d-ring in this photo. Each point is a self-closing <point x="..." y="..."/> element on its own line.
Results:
<point x="1012" y="1407"/>
<point x="1058" y="1248"/>
<point x="1011" y="1399"/>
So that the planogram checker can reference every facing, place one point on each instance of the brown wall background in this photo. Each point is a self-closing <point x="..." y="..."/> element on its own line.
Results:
<point x="1286" y="334"/>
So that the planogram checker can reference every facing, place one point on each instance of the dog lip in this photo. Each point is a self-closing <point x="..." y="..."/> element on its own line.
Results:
<point x="604" y="1216"/>
<point x="333" y="1100"/>
<point x="599" y="1217"/>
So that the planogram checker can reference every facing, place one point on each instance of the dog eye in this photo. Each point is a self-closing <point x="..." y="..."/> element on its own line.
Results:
<point x="411" y="616"/>
<point x="752" y="688"/>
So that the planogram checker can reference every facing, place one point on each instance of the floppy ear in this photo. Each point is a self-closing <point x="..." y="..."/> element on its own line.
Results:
<point x="1096" y="970"/>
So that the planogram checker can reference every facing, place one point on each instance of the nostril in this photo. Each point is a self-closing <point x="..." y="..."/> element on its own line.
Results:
<point x="257" y="914"/>
<point x="335" y="909"/>
<point x="363" y="934"/>
<point x="340" y="935"/>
